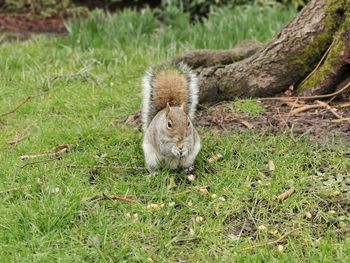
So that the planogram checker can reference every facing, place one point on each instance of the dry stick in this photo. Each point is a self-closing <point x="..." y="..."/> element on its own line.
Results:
<point x="286" y="194"/>
<point x="104" y="166"/>
<point x="18" y="139"/>
<point x="42" y="161"/>
<point x="272" y="242"/>
<point x="319" y="63"/>
<point x="329" y="108"/>
<point x="344" y="105"/>
<point x="305" y="108"/>
<point x="13" y="110"/>
<point x="110" y="197"/>
<point x="310" y="97"/>
<point x="341" y="120"/>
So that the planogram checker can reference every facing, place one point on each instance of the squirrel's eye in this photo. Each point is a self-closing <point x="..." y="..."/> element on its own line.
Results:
<point x="169" y="125"/>
<point x="188" y="124"/>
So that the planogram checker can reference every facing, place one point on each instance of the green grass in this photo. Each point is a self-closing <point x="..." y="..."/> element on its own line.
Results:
<point x="81" y="95"/>
<point x="249" y="107"/>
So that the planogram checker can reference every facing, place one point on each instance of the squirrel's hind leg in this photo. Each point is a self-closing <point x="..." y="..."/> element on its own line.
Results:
<point x="151" y="158"/>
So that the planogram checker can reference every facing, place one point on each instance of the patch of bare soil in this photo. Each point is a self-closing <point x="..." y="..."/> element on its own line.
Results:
<point x="25" y="25"/>
<point x="319" y="121"/>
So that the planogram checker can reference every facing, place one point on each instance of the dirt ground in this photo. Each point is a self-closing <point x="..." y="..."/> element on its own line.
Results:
<point x="318" y="123"/>
<point x="22" y="26"/>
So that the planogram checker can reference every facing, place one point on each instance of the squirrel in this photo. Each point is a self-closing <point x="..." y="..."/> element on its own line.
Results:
<point x="170" y="98"/>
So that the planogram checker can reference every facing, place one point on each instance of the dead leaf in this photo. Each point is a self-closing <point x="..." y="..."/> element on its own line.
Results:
<point x="271" y="166"/>
<point x="247" y="124"/>
<point x="61" y="148"/>
<point x="18" y="138"/>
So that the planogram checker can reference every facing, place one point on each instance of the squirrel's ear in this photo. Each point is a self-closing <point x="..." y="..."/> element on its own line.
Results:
<point x="167" y="110"/>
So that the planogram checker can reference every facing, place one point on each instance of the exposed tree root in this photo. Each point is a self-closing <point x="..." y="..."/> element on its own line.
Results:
<point x="208" y="58"/>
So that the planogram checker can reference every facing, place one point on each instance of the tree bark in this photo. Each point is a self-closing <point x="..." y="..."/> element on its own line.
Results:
<point x="320" y="30"/>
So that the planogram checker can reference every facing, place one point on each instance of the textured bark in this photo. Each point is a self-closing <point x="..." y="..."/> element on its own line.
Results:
<point x="285" y="61"/>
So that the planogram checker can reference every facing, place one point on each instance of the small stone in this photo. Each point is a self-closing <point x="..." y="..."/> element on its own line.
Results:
<point x="171" y="204"/>
<point x="191" y="232"/>
<point x="331" y="212"/>
<point x="128" y="215"/>
<point x="189" y="203"/>
<point x="214" y="196"/>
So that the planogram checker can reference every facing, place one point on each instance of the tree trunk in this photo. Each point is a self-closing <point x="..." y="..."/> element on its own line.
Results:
<point x="311" y="54"/>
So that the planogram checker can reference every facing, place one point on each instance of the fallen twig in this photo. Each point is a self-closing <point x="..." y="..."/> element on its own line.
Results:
<point x="104" y="166"/>
<point x="57" y="151"/>
<point x="344" y="105"/>
<point x="17" y="107"/>
<point x="341" y="120"/>
<point x="286" y="194"/>
<point x="329" y="108"/>
<point x="36" y="162"/>
<point x="271" y="242"/>
<point x="305" y="108"/>
<point x="18" y="138"/>
<point x="109" y="197"/>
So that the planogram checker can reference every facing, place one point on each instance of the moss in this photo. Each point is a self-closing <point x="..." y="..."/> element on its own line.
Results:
<point x="312" y="53"/>
<point x="333" y="60"/>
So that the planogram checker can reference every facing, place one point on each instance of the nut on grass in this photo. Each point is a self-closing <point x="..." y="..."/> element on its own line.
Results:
<point x="215" y="158"/>
<point x="308" y="215"/>
<point x="153" y="206"/>
<point x="280" y="248"/>
<point x="171" y="204"/>
<point x="191" y="177"/>
<point x="262" y="228"/>
<point x="199" y="219"/>
<point x="222" y="199"/>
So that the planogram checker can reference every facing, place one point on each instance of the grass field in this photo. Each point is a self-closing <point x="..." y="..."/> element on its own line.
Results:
<point x="82" y="87"/>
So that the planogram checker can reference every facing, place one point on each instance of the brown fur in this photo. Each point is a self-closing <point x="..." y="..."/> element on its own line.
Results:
<point x="170" y="86"/>
<point x="179" y="130"/>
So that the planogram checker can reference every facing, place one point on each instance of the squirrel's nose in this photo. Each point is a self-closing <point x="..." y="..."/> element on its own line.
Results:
<point x="180" y="146"/>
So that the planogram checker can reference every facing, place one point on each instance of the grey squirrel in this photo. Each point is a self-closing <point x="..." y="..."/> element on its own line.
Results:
<point x="170" y="98"/>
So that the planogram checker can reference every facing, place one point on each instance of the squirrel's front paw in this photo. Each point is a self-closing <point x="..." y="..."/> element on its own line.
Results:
<point x="176" y="152"/>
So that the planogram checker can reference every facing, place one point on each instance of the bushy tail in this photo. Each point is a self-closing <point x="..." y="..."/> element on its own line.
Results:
<point x="175" y="84"/>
